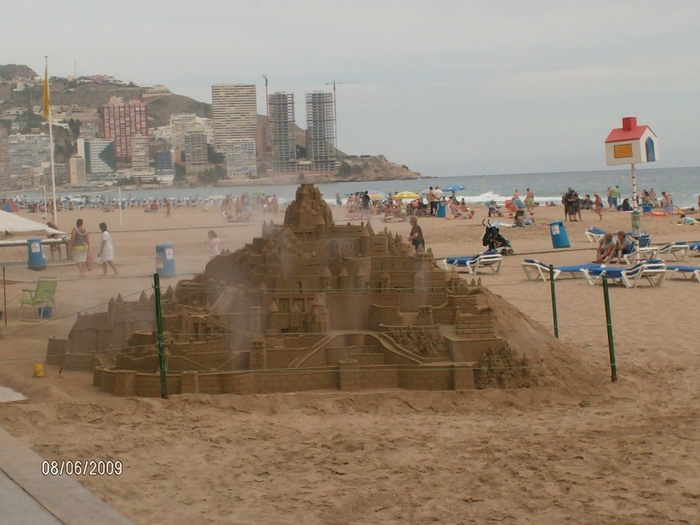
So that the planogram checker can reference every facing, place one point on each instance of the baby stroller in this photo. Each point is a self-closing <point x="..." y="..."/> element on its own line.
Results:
<point x="494" y="240"/>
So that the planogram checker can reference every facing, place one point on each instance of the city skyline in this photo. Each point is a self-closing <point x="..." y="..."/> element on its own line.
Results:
<point x="447" y="88"/>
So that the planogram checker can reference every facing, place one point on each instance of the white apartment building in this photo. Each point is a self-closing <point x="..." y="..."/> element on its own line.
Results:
<point x="234" y="111"/>
<point x="5" y="176"/>
<point x="77" y="170"/>
<point x="179" y="125"/>
<point x="28" y="152"/>
<point x="139" y="153"/>
<point x="195" y="147"/>
<point x="241" y="161"/>
<point x="99" y="155"/>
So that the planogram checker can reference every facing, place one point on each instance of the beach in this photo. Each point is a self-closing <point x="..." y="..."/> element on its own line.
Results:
<point x="585" y="450"/>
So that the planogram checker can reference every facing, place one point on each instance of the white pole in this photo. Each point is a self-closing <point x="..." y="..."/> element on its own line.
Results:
<point x="119" y="204"/>
<point x="53" y="169"/>
<point x="634" y="189"/>
<point x="636" y="228"/>
<point x="43" y="191"/>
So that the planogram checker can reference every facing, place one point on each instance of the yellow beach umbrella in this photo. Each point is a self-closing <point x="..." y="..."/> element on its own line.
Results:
<point x="406" y="195"/>
<point x="377" y="196"/>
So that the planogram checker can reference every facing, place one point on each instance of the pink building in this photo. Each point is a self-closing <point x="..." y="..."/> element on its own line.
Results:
<point x="121" y="122"/>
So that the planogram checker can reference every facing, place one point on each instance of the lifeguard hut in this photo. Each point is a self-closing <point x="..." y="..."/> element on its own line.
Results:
<point x="631" y="144"/>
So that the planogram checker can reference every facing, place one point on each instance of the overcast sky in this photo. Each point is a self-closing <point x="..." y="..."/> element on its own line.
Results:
<point x="446" y="87"/>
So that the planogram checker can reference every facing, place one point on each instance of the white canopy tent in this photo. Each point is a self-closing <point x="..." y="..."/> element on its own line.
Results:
<point x="13" y="226"/>
<point x="13" y="229"/>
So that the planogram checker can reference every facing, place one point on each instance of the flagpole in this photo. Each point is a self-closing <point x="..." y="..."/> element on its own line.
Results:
<point x="47" y="109"/>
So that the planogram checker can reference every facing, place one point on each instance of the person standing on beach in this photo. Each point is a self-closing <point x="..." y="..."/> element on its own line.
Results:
<point x="55" y="248"/>
<point x="166" y="201"/>
<point x="214" y="244"/>
<point x="431" y="201"/>
<point x="275" y="205"/>
<point x="416" y="235"/>
<point x="365" y="204"/>
<point x="106" y="253"/>
<point x="530" y="201"/>
<point x="79" y="246"/>
<point x="615" y="196"/>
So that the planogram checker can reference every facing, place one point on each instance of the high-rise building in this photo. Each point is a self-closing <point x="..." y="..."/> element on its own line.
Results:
<point x="241" y="162"/>
<point x="281" y="124"/>
<point x="77" y="170"/>
<point x="195" y="146"/>
<point x="139" y="153"/>
<point x="99" y="156"/>
<point x="28" y="152"/>
<point x="234" y="111"/>
<point x="121" y="122"/>
<point x="179" y="125"/>
<point x="320" y="131"/>
<point x="5" y="175"/>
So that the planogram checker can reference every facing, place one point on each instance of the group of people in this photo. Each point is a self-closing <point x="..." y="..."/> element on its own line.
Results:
<point x="612" y="246"/>
<point x="79" y="247"/>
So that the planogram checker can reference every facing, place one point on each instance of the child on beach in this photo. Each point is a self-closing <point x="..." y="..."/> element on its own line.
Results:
<point x="214" y="244"/>
<point x="106" y="253"/>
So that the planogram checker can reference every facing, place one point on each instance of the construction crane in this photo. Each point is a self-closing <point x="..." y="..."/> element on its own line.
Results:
<point x="335" y="107"/>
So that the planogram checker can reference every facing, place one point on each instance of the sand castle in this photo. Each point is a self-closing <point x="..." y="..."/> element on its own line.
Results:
<point x="309" y="305"/>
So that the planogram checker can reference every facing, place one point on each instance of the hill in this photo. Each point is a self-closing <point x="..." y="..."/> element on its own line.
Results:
<point x="10" y="71"/>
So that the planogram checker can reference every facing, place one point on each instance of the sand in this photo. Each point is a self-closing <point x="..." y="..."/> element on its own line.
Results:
<point x="585" y="451"/>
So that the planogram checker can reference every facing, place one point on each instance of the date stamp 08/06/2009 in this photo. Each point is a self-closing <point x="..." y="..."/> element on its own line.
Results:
<point x="82" y="467"/>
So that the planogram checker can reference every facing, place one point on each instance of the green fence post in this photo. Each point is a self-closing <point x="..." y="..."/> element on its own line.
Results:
<point x="161" y="346"/>
<point x="554" y="300"/>
<point x="608" y="322"/>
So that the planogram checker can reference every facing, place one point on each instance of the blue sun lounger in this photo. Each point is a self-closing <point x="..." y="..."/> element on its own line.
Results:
<point x="489" y="259"/>
<point x="536" y="270"/>
<point x="653" y="271"/>
<point x="677" y="249"/>
<point x="687" y="272"/>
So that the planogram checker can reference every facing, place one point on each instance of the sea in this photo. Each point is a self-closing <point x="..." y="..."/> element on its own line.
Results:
<point x="682" y="183"/>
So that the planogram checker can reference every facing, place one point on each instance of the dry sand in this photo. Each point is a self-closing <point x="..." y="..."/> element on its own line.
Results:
<point x="587" y="451"/>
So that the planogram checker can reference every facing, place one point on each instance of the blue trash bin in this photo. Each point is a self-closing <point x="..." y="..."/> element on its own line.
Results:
<point x="559" y="237"/>
<point x="441" y="209"/>
<point x="35" y="260"/>
<point x="165" y="260"/>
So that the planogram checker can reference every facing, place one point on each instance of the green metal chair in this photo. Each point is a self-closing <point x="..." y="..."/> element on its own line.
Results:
<point x="40" y="297"/>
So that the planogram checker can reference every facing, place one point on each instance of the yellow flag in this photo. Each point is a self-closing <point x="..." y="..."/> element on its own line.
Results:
<point x="47" y="96"/>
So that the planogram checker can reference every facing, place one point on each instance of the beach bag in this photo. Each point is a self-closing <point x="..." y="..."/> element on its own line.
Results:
<point x="90" y="262"/>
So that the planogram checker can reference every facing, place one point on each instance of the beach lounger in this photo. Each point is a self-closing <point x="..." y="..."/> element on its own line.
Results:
<point x="687" y="272"/>
<point x="653" y="271"/>
<point x="490" y="259"/>
<point x="536" y="270"/>
<point x="678" y="250"/>
<point x="594" y="234"/>
<point x="694" y="248"/>
<point x="645" y="254"/>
